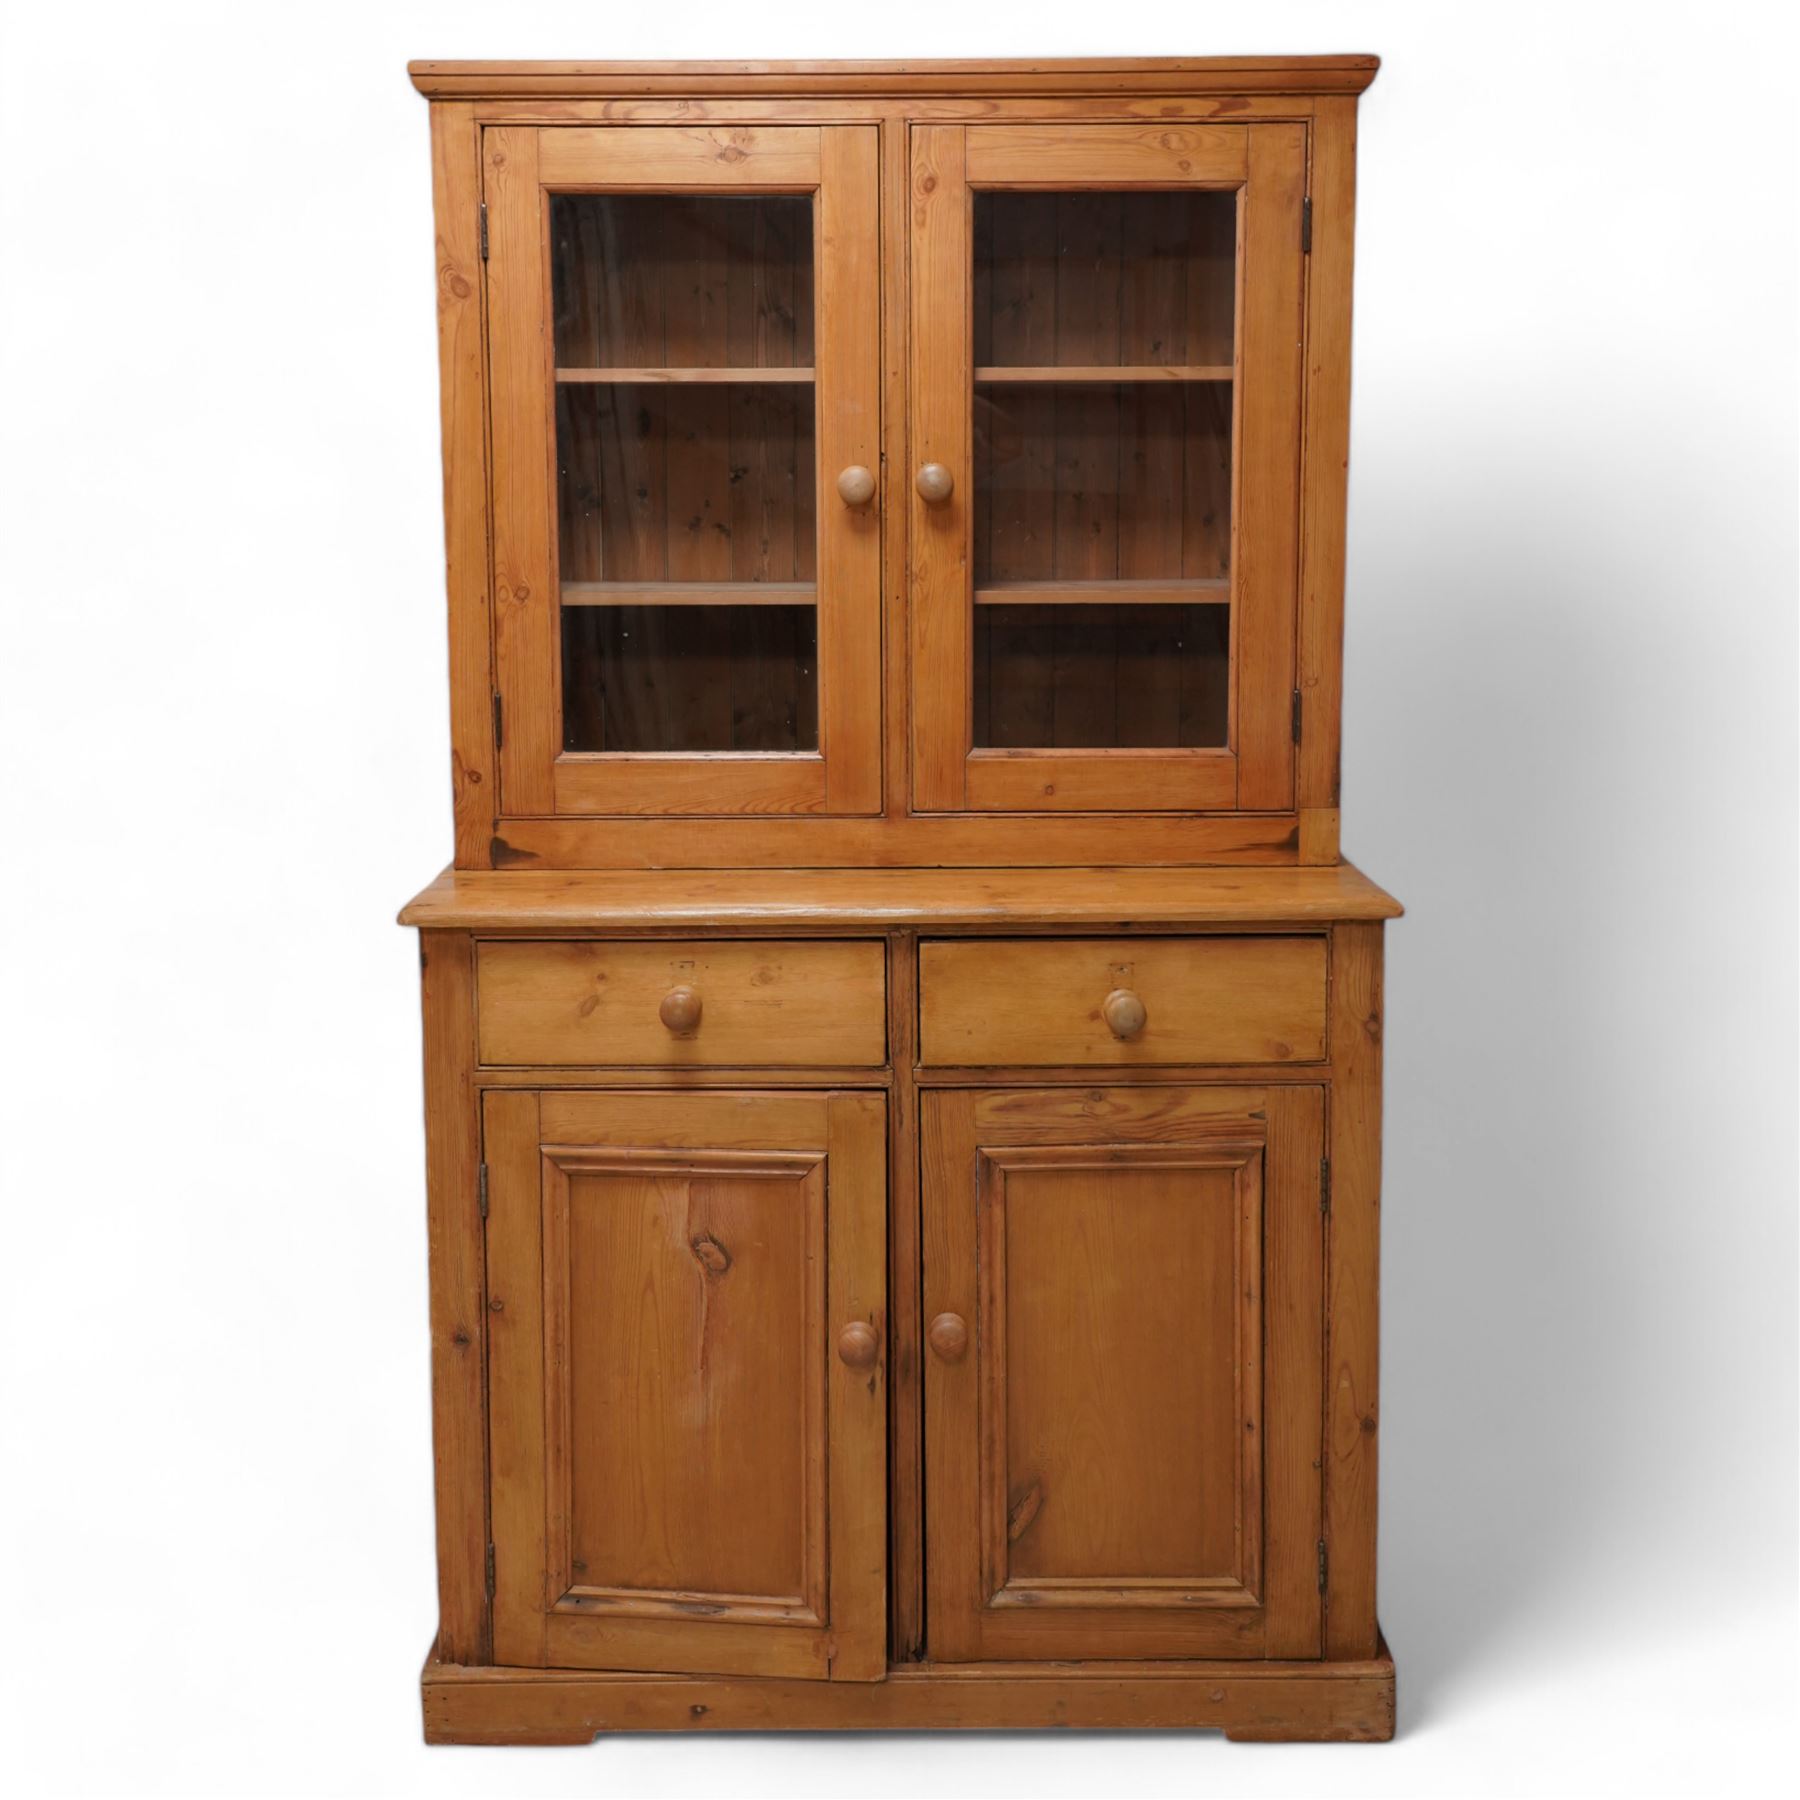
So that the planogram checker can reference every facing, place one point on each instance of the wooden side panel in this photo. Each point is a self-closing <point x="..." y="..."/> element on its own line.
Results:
<point x="1327" y="462"/>
<point x="939" y="533"/>
<point x="1353" y="1413"/>
<point x="759" y="1003"/>
<point x="456" y="201"/>
<point x="458" y="1295"/>
<point x="1266" y="540"/>
<point x="1037" y="1002"/>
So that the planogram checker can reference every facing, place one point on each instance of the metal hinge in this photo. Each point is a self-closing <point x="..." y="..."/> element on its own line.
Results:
<point x="499" y="727"/>
<point x="490" y="1570"/>
<point x="1296" y="719"/>
<point x="1324" y="1186"/>
<point x="484" y="230"/>
<point x="481" y="1189"/>
<point x="1323" y="1563"/>
<point x="1305" y="228"/>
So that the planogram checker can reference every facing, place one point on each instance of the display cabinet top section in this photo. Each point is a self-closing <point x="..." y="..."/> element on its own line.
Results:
<point x="737" y="899"/>
<point x="1106" y="75"/>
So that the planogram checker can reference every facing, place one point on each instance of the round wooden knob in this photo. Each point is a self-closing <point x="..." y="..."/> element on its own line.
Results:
<point x="680" y="1009"/>
<point x="949" y="1337"/>
<point x="933" y="482"/>
<point x="856" y="485"/>
<point x="1123" y="1012"/>
<point x="858" y="1346"/>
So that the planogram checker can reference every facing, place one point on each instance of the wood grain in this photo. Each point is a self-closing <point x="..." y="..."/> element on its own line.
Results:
<point x="458" y="1295"/>
<point x="1166" y="1575"/>
<point x="1341" y="1702"/>
<point x="766" y="158"/>
<point x="1232" y="75"/>
<point x="761" y="1003"/>
<point x="1110" y="156"/>
<point x="1352" y="1360"/>
<point x="631" y="899"/>
<point x="1040" y="1000"/>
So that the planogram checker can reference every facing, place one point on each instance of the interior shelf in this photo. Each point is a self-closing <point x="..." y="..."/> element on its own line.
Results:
<point x="715" y="376"/>
<point x="689" y="593"/>
<point x="1209" y="592"/>
<point x="1072" y="372"/>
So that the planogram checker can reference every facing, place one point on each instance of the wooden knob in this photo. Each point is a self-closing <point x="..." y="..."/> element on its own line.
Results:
<point x="856" y="485"/>
<point x="949" y="1337"/>
<point x="1123" y="1012"/>
<point x="933" y="482"/>
<point x="858" y="1346"/>
<point x="680" y="1009"/>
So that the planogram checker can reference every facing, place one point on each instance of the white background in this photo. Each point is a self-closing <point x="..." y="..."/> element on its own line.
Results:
<point x="1570" y="747"/>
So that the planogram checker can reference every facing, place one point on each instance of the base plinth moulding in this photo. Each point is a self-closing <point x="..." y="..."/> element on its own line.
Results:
<point x="1342" y="1702"/>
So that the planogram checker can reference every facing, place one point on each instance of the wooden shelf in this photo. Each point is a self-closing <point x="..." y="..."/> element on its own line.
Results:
<point x="1089" y="593"/>
<point x="1084" y="372"/>
<point x="624" y="377"/>
<point x="689" y="593"/>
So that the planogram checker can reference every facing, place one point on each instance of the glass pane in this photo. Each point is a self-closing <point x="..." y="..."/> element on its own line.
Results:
<point x="686" y="472"/>
<point x="1103" y="415"/>
<point x="1109" y="677"/>
<point x="690" y="678"/>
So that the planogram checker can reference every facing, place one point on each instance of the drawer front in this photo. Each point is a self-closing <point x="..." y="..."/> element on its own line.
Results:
<point x="1047" y="1002"/>
<point x="695" y="1005"/>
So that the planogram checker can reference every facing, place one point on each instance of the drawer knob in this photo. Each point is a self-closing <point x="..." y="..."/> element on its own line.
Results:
<point x="933" y="482"/>
<point x="1124" y="1013"/>
<point x="949" y="1337"/>
<point x="856" y="486"/>
<point x="680" y="1010"/>
<point x="858" y="1346"/>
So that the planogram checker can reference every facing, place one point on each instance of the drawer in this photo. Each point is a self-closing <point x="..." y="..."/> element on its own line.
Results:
<point x="686" y="1004"/>
<point x="1044" y="1002"/>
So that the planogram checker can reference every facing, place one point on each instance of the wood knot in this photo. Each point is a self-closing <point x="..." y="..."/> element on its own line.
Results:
<point x="711" y="1255"/>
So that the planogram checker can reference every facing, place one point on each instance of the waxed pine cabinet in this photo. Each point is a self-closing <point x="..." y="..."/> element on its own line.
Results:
<point x="902" y="1045"/>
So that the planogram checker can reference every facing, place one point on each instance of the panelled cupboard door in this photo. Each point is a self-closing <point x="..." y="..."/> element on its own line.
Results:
<point x="687" y="1389"/>
<point x="684" y="337"/>
<point x="1122" y="1376"/>
<point x="1105" y="433"/>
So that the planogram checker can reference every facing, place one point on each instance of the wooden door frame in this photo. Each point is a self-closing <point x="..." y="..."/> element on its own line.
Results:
<point x="839" y="164"/>
<point x="1266" y="164"/>
<point x="530" y="1139"/>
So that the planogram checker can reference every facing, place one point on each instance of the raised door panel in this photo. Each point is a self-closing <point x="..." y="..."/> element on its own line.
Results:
<point x="687" y="1412"/>
<point x="1107" y="325"/>
<point x="684" y="353"/>
<point x="1122" y="1384"/>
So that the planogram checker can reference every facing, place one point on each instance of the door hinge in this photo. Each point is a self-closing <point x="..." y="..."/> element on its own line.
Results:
<point x="1324" y="1186"/>
<point x="484" y="231"/>
<point x="490" y="1570"/>
<point x="499" y="725"/>
<point x="481" y="1189"/>
<point x="1296" y="716"/>
<point x="1305" y="228"/>
<point x="1324" y="1561"/>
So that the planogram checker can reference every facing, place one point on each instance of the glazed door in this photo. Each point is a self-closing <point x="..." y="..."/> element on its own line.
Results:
<point x="1122" y="1379"/>
<point x="684" y="337"/>
<point x="1105" y="440"/>
<point x="688" y="1411"/>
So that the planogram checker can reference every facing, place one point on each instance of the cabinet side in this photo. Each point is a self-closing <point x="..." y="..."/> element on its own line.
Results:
<point x="456" y="204"/>
<point x="458" y="1290"/>
<point x="1325" y="466"/>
